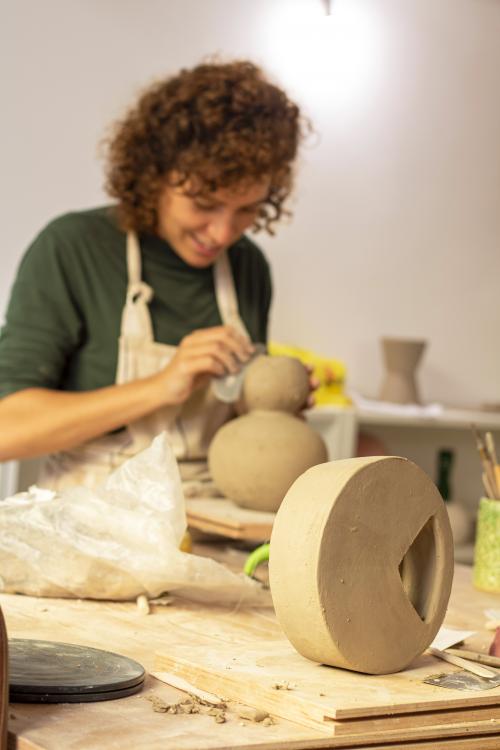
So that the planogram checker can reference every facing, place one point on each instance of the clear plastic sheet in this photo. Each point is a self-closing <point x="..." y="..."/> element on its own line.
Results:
<point x="115" y="542"/>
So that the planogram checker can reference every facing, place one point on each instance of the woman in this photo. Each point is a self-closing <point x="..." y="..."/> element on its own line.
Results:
<point x="119" y="316"/>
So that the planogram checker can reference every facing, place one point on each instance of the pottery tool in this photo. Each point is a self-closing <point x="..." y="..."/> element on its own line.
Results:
<point x="362" y="551"/>
<point x="256" y="558"/>
<point x="490" y="468"/>
<point x="459" y="661"/>
<point x="51" y="672"/>
<point x="463" y="681"/>
<point x="227" y="388"/>
<point x="490" y="661"/>
<point x="490" y="445"/>
<point x="490" y="492"/>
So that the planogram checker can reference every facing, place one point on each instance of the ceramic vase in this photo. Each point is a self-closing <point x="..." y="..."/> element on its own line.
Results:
<point x="401" y="358"/>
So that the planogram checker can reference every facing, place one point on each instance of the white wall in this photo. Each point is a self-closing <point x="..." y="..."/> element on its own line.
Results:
<point x="397" y="217"/>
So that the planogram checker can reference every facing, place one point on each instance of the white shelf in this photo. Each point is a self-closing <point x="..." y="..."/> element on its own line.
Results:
<point x="449" y="418"/>
<point x="417" y="437"/>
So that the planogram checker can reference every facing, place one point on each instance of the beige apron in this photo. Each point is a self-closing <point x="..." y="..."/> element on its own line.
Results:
<point x="190" y="426"/>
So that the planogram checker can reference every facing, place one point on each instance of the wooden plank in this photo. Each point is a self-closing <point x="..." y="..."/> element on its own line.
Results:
<point x="274" y="677"/>
<point x="469" y="743"/>
<point x="368" y="726"/>
<point x="322" y="692"/>
<point x="223" y="517"/>
<point x="469" y="717"/>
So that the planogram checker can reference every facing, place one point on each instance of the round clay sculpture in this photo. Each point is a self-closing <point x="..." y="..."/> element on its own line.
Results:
<point x="277" y="383"/>
<point x="362" y="552"/>
<point x="255" y="458"/>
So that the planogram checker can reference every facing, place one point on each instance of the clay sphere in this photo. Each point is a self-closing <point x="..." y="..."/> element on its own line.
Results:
<point x="254" y="459"/>
<point x="277" y="383"/>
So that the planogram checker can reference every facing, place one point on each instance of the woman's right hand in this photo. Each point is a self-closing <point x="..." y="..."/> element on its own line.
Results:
<point x="204" y="353"/>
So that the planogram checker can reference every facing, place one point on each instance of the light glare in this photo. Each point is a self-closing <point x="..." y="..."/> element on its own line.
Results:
<point x="330" y="61"/>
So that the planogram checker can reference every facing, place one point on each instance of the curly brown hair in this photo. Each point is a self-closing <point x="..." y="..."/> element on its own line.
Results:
<point x="223" y="124"/>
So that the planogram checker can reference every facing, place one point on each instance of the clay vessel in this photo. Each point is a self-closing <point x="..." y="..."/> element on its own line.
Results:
<point x="276" y="383"/>
<point x="401" y="357"/>
<point x="255" y="458"/>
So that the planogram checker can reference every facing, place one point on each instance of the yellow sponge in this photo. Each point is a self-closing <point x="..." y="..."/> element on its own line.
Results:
<point x="331" y="373"/>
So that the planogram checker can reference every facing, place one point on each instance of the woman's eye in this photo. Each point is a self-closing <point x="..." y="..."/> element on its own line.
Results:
<point x="204" y="206"/>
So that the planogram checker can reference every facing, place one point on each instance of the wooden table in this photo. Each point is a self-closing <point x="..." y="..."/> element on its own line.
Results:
<point x="132" y="723"/>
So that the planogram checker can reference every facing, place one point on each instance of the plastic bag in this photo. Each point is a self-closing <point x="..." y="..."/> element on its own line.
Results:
<point x="116" y="541"/>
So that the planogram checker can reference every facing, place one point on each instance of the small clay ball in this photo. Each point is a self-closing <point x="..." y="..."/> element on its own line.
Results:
<point x="254" y="459"/>
<point x="280" y="383"/>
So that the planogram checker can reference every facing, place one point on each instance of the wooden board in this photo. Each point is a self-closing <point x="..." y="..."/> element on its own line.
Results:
<point x="131" y="722"/>
<point x="274" y="677"/>
<point x="221" y="516"/>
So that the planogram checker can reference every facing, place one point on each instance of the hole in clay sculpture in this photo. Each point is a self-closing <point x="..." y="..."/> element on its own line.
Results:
<point x="418" y="569"/>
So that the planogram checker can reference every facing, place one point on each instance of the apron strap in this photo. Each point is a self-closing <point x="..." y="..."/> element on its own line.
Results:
<point x="225" y="294"/>
<point x="136" y="318"/>
<point x="133" y="258"/>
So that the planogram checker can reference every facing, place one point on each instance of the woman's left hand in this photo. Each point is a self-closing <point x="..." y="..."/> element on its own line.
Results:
<point x="313" y="386"/>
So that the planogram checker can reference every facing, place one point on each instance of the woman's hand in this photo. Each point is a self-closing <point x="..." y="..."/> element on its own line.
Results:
<point x="205" y="353"/>
<point x="313" y="385"/>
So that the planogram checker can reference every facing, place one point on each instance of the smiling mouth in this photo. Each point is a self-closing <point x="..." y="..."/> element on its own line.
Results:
<point x="204" y="249"/>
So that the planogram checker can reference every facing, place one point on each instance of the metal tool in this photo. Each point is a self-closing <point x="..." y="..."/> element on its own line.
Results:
<point x="227" y="388"/>
<point x="475" y="676"/>
<point x="463" y="681"/>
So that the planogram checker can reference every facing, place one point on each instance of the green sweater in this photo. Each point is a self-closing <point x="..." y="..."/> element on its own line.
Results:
<point x="63" y="319"/>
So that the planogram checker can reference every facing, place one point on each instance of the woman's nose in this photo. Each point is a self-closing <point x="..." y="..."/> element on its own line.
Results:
<point x="223" y="229"/>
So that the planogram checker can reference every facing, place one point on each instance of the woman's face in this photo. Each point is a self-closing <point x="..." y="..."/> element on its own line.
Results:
<point x="200" y="227"/>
